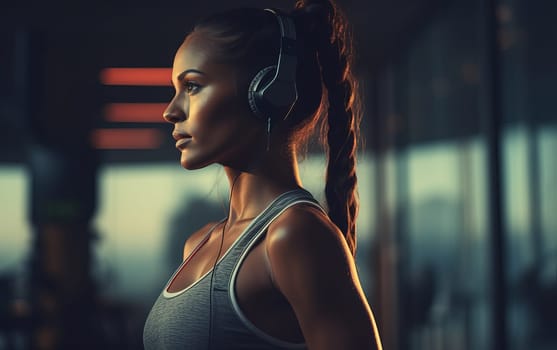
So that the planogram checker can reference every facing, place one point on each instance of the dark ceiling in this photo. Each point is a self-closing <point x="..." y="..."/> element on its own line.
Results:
<point x="59" y="47"/>
<point x="380" y="27"/>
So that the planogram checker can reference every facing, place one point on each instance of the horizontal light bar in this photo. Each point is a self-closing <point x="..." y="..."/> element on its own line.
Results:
<point x="134" y="112"/>
<point x="136" y="76"/>
<point x="126" y="138"/>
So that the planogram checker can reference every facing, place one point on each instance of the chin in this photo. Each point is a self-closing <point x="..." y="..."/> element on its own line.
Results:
<point x="190" y="163"/>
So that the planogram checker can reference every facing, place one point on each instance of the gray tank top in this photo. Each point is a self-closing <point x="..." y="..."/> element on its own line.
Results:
<point x="182" y="320"/>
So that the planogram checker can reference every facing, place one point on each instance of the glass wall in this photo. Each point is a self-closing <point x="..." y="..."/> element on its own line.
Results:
<point x="433" y="106"/>
<point x="529" y="53"/>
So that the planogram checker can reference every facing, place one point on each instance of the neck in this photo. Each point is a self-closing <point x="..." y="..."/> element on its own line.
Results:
<point x="253" y="188"/>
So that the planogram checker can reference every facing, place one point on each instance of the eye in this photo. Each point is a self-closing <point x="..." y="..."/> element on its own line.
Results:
<point x="191" y="87"/>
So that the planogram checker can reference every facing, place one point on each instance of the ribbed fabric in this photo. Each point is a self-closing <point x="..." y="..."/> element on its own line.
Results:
<point x="181" y="320"/>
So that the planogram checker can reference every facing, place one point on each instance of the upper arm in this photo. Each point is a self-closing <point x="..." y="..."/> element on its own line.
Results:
<point x="311" y="265"/>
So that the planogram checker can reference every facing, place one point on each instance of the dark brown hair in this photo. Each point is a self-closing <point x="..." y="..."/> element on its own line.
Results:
<point x="327" y="89"/>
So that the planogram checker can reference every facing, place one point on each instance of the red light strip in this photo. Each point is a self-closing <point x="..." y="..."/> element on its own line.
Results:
<point x="126" y="138"/>
<point x="134" y="112"/>
<point x="136" y="76"/>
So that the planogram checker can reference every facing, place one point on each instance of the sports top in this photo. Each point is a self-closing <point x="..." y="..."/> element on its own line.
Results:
<point x="186" y="319"/>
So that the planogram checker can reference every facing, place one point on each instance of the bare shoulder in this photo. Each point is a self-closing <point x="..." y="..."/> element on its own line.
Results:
<point x="310" y="263"/>
<point x="195" y="238"/>
<point x="308" y="231"/>
<point x="305" y="250"/>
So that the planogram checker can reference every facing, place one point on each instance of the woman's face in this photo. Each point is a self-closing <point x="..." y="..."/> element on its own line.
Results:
<point x="210" y="112"/>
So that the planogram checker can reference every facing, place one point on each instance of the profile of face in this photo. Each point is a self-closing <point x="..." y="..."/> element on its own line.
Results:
<point x="210" y="112"/>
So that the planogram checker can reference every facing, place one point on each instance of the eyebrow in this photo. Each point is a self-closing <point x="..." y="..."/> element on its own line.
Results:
<point x="183" y="74"/>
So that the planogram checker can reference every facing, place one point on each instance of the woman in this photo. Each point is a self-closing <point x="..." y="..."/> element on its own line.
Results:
<point x="278" y="272"/>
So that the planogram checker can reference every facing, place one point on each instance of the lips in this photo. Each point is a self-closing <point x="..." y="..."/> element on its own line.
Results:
<point x="181" y="143"/>
<point x="182" y="139"/>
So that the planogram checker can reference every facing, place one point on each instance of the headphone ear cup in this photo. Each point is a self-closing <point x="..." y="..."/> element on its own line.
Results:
<point x="255" y="92"/>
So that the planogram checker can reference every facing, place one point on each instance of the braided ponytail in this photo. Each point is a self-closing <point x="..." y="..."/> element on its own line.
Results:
<point x="334" y="51"/>
<point x="325" y="60"/>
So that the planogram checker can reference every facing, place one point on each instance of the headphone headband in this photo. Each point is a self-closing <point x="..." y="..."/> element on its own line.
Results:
<point x="273" y="89"/>
<point x="286" y="66"/>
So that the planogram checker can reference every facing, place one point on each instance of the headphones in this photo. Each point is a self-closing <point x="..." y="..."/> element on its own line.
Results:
<point x="272" y="92"/>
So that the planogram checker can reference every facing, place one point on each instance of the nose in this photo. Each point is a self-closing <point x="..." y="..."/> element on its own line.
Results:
<point x="175" y="111"/>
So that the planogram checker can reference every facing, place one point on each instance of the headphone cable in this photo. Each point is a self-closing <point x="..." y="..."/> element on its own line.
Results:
<point x="216" y="261"/>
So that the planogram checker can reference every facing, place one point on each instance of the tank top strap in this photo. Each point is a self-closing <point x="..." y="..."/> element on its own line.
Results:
<point x="257" y="228"/>
<point x="224" y="270"/>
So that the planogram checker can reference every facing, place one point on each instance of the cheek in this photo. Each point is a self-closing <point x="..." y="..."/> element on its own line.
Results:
<point x="217" y="116"/>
